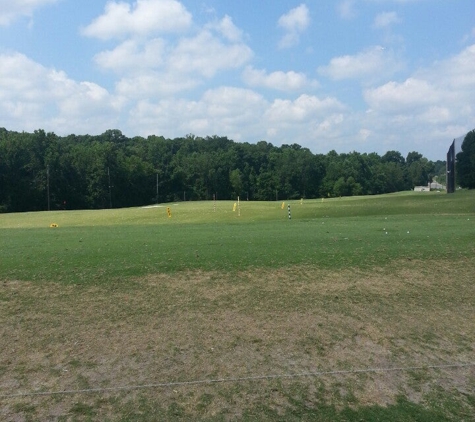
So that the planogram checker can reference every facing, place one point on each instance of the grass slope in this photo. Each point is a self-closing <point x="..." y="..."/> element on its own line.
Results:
<point x="132" y="297"/>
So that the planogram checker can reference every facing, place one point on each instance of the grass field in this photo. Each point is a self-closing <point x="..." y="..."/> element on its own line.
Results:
<point x="355" y="309"/>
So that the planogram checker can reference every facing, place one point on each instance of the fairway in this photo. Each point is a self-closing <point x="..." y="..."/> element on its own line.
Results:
<point x="354" y="309"/>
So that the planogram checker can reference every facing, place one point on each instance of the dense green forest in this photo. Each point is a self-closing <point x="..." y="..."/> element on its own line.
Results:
<point x="40" y="171"/>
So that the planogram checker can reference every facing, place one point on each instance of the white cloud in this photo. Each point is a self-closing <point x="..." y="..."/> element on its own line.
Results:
<point x="399" y="97"/>
<point x="132" y="55"/>
<point x="449" y="82"/>
<point x="206" y="54"/>
<point x="308" y="121"/>
<point x="164" y="69"/>
<point x="33" y="96"/>
<point x="305" y="107"/>
<point x="374" y="62"/>
<point x="144" y="69"/>
<point x="227" y="29"/>
<point x="151" y="84"/>
<point x="158" y="66"/>
<point x="233" y="112"/>
<point x="434" y="103"/>
<point x="436" y="115"/>
<point x="455" y="73"/>
<point x="386" y="19"/>
<point x="294" y="23"/>
<point x="296" y="19"/>
<point x="243" y="115"/>
<point x="143" y="18"/>
<point x="283" y="81"/>
<point x="11" y="10"/>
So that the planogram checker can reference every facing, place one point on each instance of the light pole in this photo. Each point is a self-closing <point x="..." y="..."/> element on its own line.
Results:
<point x="47" y="185"/>
<point x="110" y="188"/>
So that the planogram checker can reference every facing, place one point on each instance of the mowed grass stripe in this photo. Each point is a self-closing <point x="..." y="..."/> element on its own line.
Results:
<point x="105" y="253"/>
<point x="406" y="203"/>
<point x="101" y="246"/>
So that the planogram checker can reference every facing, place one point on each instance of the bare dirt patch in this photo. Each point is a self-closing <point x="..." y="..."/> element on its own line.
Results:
<point x="208" y="326"/>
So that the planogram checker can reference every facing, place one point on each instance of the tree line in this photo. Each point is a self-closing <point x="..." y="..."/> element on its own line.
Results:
<point x="40" y="171"/>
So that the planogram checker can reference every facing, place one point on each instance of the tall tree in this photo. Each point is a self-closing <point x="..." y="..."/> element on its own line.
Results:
<point x="465" y="169"/>
<point x="419" y="169"/>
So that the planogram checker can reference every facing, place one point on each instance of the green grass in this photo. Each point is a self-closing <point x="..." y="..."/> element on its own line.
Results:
<point x="206" y="212"/>
<point x="402" y="411"/>
<point x="131" y="296"/>
<point x="101" y="246"/>
<point x="104" y="253"/>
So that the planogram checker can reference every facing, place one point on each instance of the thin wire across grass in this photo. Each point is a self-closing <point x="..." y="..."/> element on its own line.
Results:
<point x="210" y="326"/>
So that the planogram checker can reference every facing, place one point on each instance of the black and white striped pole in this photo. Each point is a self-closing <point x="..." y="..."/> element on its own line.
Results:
<point x="288" y="209"/>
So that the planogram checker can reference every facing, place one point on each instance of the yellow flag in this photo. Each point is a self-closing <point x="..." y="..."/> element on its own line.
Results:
<point x="234" y="207"/>
<point x="283" y="205"/>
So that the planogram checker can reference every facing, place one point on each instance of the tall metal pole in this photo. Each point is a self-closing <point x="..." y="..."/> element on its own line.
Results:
<point x="47" y="185"/>
<point x="110" y="187"/>
<point x="157" y="188"/>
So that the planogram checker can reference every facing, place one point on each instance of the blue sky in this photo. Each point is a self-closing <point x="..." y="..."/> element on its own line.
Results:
<point x="348" y="75"/>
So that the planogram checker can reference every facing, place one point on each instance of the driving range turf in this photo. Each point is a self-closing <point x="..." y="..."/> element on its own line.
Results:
<point x="354" y="309"/>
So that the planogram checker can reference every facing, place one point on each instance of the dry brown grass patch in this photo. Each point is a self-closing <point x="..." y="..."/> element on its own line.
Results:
<point x="198" y="325"/>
